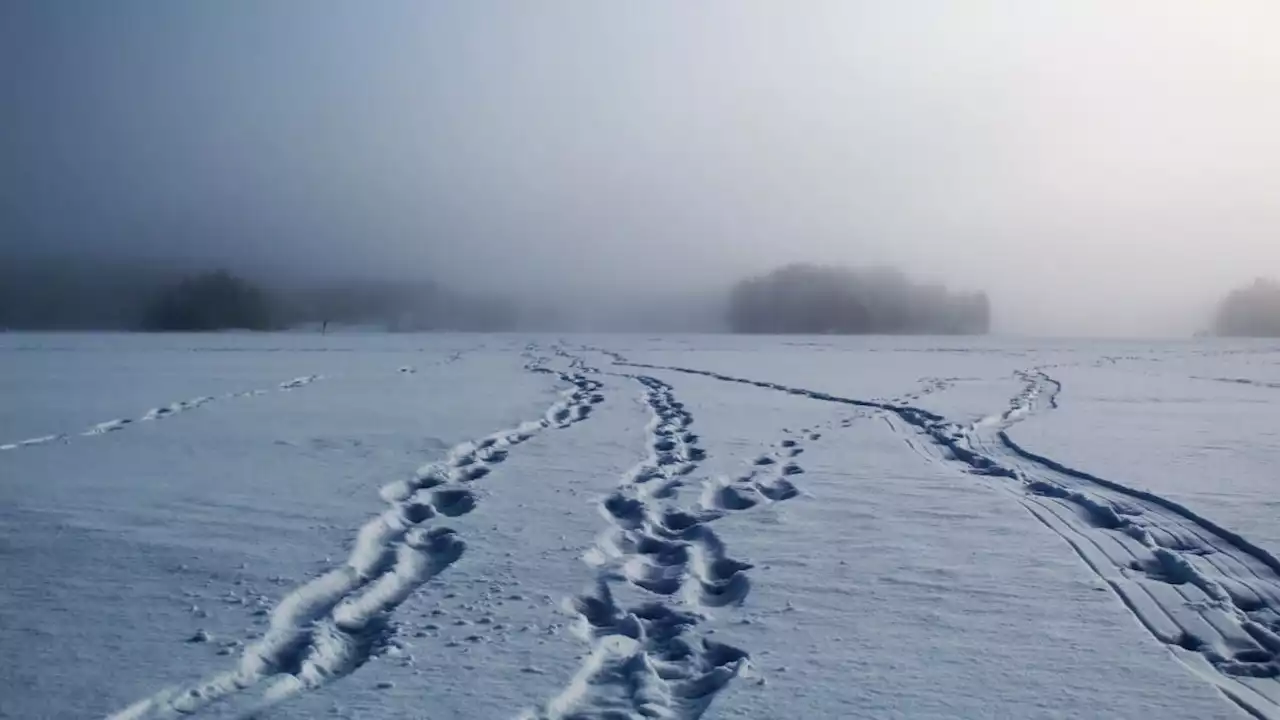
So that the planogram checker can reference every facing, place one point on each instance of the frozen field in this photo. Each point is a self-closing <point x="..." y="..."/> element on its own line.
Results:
<point x="470" y="526"/>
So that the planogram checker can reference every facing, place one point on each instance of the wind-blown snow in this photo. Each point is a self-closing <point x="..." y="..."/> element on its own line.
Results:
<point x="489" y="526"/>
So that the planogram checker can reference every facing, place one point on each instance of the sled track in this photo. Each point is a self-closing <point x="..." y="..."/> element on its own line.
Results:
<point x="160" y="413"/>
<point x="650" y="659"/>
<point x="330" y="626"/>
<point x="1207" y="593"/>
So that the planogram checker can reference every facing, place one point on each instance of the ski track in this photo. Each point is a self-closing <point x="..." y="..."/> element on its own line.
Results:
<point x="330" y="626"/>
<point x="1211" y="596"/>
<point x="160" y="413"/>
<point x="650" y="660"/>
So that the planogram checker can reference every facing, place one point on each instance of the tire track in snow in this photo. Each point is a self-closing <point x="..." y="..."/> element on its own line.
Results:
<point x="1211" y="596"/>
<point x="650" y="659"/>
<point x="160" y="413"/>
<point x="332" y="625"/>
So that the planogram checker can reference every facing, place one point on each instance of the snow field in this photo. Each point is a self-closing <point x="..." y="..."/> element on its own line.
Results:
<point x="595" y="527"/>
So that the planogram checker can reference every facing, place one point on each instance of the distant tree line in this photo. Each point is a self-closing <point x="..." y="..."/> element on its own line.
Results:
<point x="87" y="294"/>
<point x="812" y="299"/>
<point x="214" y="300"/>
<point x="71" y="294"/>
<point x="219" y="300"/>
<point x="1251" y="311"/>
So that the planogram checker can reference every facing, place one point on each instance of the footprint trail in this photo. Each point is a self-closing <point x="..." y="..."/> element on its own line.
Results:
<point x="1207" y="593"/>
<point x="160" y="413"/>
<point x="330" y="626"/>
<point x="650" y="659"/>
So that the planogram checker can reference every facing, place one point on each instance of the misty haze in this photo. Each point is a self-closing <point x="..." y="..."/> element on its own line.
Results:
<point x="574" y="359"/>
<point x="1096" y="170"/>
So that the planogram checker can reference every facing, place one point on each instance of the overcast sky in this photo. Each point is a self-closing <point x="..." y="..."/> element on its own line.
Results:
<point x="1098" y="167"/>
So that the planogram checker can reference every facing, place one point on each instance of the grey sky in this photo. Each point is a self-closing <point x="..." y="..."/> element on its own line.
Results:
<point x="1098" y="167"/>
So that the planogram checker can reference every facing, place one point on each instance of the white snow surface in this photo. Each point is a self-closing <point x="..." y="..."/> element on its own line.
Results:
<point x="500" y="526"/>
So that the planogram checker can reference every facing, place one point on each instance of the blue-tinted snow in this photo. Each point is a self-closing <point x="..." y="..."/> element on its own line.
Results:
<point x="746" y="527"/>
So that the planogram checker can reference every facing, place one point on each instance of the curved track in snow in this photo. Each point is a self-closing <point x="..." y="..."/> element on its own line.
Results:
<point x="330" y="626"/>
<point x="1211" y="596"/>
<point x="661" y="571"/>
<point x="650" y="659"/>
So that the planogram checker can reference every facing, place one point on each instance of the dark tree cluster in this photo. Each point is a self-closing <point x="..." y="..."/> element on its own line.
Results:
<point x="809" y="299"/>
<point x="219" y="300"/>
<point x="214" y="300"/>
<point x="69" y="293"/>
<point x="1252" y="311"/>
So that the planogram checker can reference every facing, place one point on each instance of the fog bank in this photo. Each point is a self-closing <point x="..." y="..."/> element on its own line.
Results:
<point x="1096" y="168"/>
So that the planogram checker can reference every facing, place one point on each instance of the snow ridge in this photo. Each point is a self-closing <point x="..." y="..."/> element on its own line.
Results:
<point x="159" y="413"/>
<point x="1211" y="596"/>
<point x="650" y="660"/>
<point x="330" y="626"/>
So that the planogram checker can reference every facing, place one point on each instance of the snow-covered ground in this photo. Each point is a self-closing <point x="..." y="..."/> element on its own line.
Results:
<point x="470" y="526"/>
